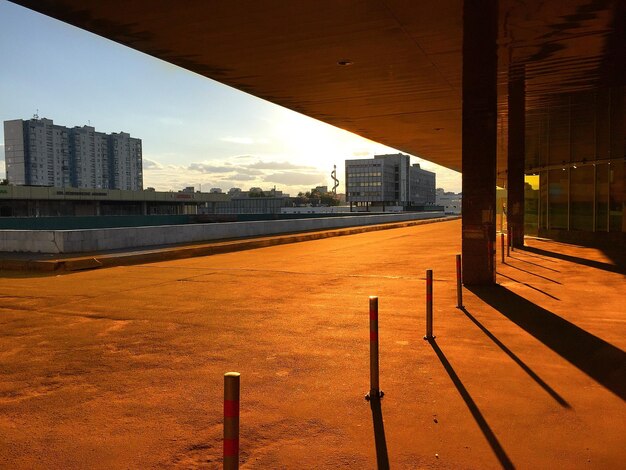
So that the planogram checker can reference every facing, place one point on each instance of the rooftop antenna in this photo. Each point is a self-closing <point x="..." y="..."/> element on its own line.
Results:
<point x="36" y="115"/>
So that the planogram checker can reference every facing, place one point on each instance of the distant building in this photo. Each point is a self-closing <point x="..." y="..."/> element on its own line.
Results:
<point x="320" y="189"/>
<point x="41" y="153"/>
<point x="451" y="202"/>
<point x="216" y="190"/>
<point x="388" y="182"/>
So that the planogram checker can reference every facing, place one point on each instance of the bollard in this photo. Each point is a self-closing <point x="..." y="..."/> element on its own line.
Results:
<point x="429" y="305"/>
<point x="512" y="238"/>
<point x="375" y="392"/>
<point x="459" y="283"/>
<point x="231" y="420"/>
<point x="502" y="246"/>
<point x="509" y="240"/>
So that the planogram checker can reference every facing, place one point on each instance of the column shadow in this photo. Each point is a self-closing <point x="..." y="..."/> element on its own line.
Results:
<point x="474" y="410"/>
<point x="619" y="267"/>
<point x="382" y="458"/>
<point x="558" y="398"/>
<point x="601" y="361"/>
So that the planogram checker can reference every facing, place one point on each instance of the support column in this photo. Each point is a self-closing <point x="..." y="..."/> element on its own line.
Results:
<point x="516" y="153"/>
<point x="480" y="61"/>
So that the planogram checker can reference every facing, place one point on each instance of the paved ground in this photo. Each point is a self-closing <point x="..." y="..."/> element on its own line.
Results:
<point x="122" y="367"/>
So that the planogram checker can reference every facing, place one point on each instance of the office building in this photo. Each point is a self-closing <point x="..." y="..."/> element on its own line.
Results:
<point x="41" y="153"/>
<point x="388" y="182"/>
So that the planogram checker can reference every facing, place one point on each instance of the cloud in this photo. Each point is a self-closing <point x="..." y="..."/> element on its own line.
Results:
<point x="206" y="168"/>
<point x="239" y="177"/>
<point x="244" y="140"/>
<point x="360" y="154"/>
<point x="247" y="171"/>
<point x="292" y="178"/>
<point x="279" y="166"/>
<point x="151" y="164"/>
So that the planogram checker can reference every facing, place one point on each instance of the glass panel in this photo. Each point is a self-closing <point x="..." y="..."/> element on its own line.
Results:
<point x="602" y="197"/>
<point x="616" y="195"/>
<point x="581" y="198"/>
<point x="531" y="204"/>
<point x="583" y="127"/>
<point x="557" y="199"/>
<point x="559" y="133"/>
<point x="543" y="200"/>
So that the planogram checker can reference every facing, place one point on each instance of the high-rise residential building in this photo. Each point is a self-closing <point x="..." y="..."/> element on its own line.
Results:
<point x="41" y="153"/>
<point x="388" y="181"/>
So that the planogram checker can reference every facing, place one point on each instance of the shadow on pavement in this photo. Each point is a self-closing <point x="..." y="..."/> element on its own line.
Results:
<point x="533" y="274"/>
<point x="473" y="408"/>
<point x="600" y="360"/>
<point x="559" y="399"/>
<point x="527" y="285"/>
<point x="619" y="267"/>
<point x="534" y="264"/>
<point x="382" y="459"/>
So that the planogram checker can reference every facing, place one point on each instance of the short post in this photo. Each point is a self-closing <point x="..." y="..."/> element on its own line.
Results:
<point x="375" y="393"/>
<point x="502" y="246"/>
<point x="231" y="420"/>
<point x="512" y="230"/>
<point x="459" y="283"/>
<point x="429" y="305"/>
<point x="509" y="240"/>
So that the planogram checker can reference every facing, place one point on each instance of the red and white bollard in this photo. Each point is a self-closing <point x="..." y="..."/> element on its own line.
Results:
<point x="231" y="420"/>
<point x="429" y="305"/>
<point x="509" y="241"/>
<point x="459" y="282"/>
<point x="375" y="393"/>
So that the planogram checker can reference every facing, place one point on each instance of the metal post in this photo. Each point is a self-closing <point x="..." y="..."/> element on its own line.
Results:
<point x="429" y="305"/>
<point x="502" y="246"/>
<point x="231" y="420"/>
<point x="459" y="283"/>
<point x="375" y="393"/>
<point x="509" y="240"/>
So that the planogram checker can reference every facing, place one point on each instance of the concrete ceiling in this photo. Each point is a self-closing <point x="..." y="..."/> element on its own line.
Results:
<point x="403" y="85"/>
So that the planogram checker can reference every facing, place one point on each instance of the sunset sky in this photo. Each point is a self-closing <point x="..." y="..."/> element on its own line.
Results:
<point x="195" y="131"/>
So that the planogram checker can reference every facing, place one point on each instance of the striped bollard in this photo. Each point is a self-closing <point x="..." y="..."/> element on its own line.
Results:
<point x="502" y="246"/>
<point x="509" y="240"/>
<point x="459" y="283"/>
<point x="231" y="420"/>
<point x="429" y="305"/>
<point x="375" y="393"/>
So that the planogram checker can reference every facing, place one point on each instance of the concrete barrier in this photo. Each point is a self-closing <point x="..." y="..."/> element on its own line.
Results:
<point x="97" y="240"/>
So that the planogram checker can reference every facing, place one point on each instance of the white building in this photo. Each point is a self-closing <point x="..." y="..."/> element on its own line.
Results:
<point x="41" y="153"/>
<point x="450" y="201"/>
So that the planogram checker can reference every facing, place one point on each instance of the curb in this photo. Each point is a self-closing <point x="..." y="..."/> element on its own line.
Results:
<point x="80" y="263"/>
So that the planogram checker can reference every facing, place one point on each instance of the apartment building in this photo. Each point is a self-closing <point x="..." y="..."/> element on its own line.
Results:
<point x="41" y="153"/>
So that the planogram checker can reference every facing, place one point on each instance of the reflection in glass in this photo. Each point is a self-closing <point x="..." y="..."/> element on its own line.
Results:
<point x="602" y="197"/>
<point x="557" y="199"/>
<point x="581" y="198"/>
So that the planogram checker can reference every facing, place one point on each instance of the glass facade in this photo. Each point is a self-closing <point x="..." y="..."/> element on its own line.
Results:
<point x="578" y="198"/>
<point x="575" y="153"/>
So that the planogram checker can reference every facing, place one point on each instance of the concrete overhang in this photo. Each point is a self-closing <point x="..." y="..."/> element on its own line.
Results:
<point x="386" y="70"/>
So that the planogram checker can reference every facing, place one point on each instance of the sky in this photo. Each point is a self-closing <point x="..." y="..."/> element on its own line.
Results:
<point x="195" y="131"/>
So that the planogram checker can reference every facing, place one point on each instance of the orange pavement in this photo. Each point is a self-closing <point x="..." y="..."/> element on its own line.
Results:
<point x="123" y="367"/>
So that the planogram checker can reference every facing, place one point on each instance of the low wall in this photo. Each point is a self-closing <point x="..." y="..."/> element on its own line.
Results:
<point x="77" y="241"/>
